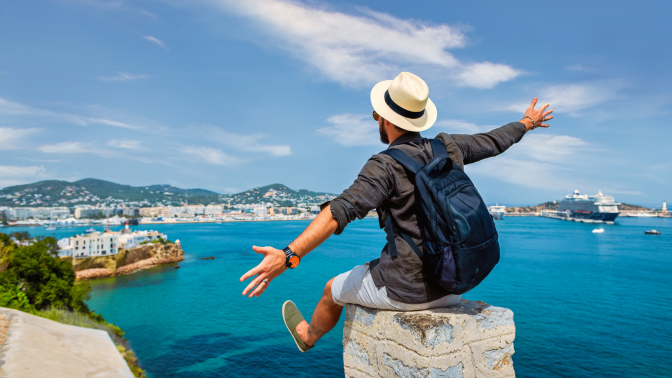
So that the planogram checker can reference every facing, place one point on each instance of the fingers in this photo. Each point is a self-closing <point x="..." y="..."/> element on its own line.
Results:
<point x="252" y="284"/>
<point x="548" y="118"/>
<point x="533" y="103"/>
<point x="544" y="107"/>
<point x="250" y="273"/>
<point x="544" y="125"/>
<point x="260" y="289"/>
<point x="547" y="113"/>
<point x="261" y="250"/>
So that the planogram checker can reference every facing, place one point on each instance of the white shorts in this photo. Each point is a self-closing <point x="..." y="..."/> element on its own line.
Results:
<point x="357" y="287"/>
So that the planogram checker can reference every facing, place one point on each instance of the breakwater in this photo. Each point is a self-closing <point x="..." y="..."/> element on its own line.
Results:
<point x="127" y="261"/>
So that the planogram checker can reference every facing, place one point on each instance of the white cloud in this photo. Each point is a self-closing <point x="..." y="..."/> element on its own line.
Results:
<point x="531" y="174"/>
<point x="248" y="143"/>
<point x="154" y="40"/>
<point x="361" y="50"/>
<point x="486" y="74"/>
<point x="551" y="148"/>
<point x="210" y="155"/>
<point x="352" y="130"/>
<point x="125" y="143"/>
<point x="17" y="175"/>
<point x="123" y="76"/>
<point x="457" y="126"/>
<point x="9" y="108"/>
<point x="11" y="139"/>
<point x="572" y="98"/>
<point x="78" y="148"/>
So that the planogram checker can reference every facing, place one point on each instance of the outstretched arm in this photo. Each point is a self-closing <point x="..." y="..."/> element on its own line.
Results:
<point x="273" y="264"/>
<point x="481" y="146"/>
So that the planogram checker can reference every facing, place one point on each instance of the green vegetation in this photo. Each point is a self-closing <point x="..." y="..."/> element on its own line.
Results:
<point x="51" y="191"/>
<point x="35" y="280"/>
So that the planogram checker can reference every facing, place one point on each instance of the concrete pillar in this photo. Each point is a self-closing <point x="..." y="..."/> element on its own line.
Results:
<point x="470" y="339"/>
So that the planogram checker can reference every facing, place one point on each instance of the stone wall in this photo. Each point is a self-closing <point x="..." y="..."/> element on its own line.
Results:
<point x="470" y="339"/>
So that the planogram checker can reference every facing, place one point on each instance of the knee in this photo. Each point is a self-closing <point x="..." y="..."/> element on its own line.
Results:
<point x="327" y="289"/>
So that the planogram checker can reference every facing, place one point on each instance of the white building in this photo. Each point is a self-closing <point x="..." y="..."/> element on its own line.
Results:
<point x="128" y="240"/>
<point x="261" y="211"/>
<point x="94" y="244"/>
<point x="23" y="213"/>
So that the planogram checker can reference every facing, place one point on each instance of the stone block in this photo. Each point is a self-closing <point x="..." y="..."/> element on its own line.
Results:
<point x="470" y="339"/>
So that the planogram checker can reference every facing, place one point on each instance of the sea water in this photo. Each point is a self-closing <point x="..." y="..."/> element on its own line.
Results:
<point x="586" y="304"/>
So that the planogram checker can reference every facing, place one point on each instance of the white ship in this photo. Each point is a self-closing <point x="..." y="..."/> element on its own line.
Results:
<point x="641" y="215"/>
<point x="497" y="211"/>
<point x="584" y="208"/>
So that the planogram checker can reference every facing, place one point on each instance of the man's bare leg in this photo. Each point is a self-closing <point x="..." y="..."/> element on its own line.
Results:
<point x="325" y="317"/>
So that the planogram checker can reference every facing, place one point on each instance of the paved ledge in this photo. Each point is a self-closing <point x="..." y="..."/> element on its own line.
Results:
<point x="470" y="339"/>
<point x="37" y="347"/>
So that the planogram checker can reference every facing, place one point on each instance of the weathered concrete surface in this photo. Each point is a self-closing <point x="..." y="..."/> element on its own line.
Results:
<point x="36" y="347"/>
<point x="470" y="339"/>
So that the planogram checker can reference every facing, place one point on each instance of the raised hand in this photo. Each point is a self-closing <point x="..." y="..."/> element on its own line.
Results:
<point x="270" y="267"/>
<point x="539" y="116"/>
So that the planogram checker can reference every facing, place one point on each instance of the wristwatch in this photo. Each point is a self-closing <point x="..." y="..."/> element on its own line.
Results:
<point x="293" y="259"/>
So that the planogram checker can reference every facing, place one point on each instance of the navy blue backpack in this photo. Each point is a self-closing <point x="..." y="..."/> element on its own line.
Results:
<point x="461" y="246"/>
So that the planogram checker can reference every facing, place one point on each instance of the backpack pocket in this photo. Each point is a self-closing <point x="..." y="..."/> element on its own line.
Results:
<point x="473" y="264"/>
<point x="439" y="266"/>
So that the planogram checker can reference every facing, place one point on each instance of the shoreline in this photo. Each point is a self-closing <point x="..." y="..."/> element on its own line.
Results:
<point x="182" y="222"/>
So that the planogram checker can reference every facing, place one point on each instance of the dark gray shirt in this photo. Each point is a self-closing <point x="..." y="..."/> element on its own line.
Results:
<point x="384" y="185"/>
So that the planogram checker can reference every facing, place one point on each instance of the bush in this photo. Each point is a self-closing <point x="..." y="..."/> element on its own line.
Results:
<point x="13" y="297"/>
<point x="46" y="279"/>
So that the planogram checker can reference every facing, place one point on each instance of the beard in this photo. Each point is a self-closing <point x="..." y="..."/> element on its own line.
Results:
<point x="383" y="135"/>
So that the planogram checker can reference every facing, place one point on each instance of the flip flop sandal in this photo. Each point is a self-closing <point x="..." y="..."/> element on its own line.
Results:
<point x="292" y="317"/>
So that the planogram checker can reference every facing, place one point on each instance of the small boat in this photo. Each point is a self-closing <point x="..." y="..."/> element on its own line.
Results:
<point x="177" y="267"/>
<point x="208" y="258"/>
<point x="652" y="232"/>
<point x="598" y="230"/>
<point x="51" y="228"/>
<point x="91" y="230"/>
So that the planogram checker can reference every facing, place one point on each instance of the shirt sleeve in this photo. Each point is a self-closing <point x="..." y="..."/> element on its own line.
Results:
<point x="372" y="186"/>
<point x="484" y="145"/>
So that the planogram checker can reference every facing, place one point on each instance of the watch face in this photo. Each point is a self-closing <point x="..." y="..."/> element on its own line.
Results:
<point x="294" y="262"/>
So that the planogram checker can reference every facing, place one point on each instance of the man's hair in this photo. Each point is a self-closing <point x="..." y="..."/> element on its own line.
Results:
<point x="399" y="129"/>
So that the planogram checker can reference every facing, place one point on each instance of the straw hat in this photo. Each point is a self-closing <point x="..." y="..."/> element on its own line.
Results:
<point x="405" y="102"/>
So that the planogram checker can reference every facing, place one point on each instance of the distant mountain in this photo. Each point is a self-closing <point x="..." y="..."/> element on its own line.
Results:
<point x="260" y="192"/>
<point x="93" y="191"/>
<point x="55" y="192"/>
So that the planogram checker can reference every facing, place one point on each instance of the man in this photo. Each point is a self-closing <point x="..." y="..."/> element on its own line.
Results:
<point x="403" y="109"/>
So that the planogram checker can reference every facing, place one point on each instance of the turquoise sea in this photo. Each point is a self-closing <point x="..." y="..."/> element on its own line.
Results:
<point x="585" y="304"/>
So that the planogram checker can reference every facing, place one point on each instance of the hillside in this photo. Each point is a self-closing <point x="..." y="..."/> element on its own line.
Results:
<point x="278" y="194"/>
<point x="92" y="191"/>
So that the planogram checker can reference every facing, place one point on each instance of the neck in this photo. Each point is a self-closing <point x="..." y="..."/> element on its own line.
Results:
<point x="394" y="134"/>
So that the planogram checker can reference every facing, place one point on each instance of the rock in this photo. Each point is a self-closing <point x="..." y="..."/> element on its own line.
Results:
<point x="470" y="339"/>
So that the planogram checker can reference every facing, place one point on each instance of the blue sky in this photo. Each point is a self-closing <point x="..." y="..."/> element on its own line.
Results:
<point x="229" y="95"/>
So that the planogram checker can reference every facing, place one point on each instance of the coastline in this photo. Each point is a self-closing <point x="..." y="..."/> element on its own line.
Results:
<point x="127" y="261"/>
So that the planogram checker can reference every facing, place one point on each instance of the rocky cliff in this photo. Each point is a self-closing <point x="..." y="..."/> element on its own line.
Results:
<point x="127" y="261"/>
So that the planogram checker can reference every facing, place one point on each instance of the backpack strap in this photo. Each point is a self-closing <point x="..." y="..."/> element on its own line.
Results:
<point x="438" y="148"/>
<point x="402" y="158"/>
<point x="390" y="238"/>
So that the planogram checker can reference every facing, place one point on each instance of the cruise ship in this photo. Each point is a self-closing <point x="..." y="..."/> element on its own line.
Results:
<point x="584" y="208"/>
<point x="497" y="211"/>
